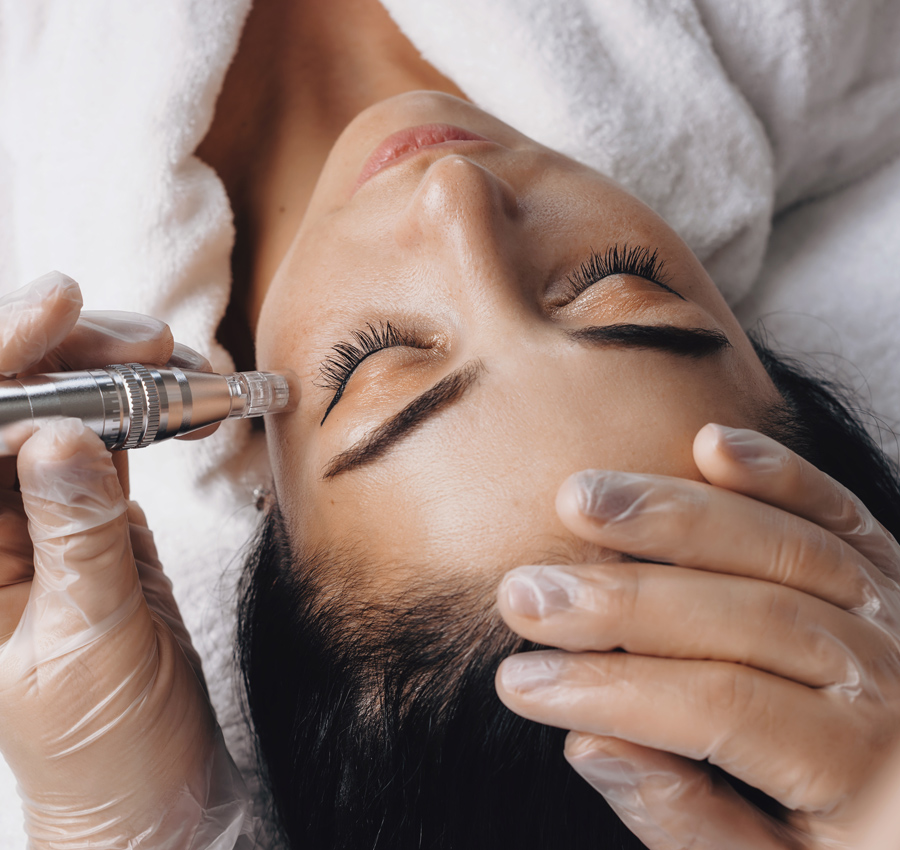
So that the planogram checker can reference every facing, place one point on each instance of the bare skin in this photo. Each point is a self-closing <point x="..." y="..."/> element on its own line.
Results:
<point x="299" y="78"/>
<point x="469" y="252"/>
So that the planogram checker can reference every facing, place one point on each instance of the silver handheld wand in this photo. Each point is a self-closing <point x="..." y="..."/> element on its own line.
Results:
<point x="131" y="406"/>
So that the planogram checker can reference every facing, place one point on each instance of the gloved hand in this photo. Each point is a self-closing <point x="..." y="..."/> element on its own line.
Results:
<point x="104" y="717"/>
<point x="766" y="639"/>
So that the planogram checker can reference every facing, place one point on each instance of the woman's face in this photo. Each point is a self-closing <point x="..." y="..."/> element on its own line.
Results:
<point x="529" y="335"/>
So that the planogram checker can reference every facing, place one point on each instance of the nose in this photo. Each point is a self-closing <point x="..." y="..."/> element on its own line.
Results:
<point x="467" y="219"/>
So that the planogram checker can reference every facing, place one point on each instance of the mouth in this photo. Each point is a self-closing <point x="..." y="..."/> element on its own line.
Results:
<point x="405" y="144"/>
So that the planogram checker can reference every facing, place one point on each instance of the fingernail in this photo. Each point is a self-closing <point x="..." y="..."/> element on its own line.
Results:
<point x="186" y="358"/>
<point x="609" y="495"/>
<point x="41" y="288"/>
<point x="127" y="327"/>
<point x="749" y="447"/>
<point x="540" y="591"/>
<point x="530" y="671"/>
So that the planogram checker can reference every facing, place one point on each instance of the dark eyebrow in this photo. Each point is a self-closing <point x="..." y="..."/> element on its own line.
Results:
<point x="371" y="447"/>
<point x="689" y="342"/>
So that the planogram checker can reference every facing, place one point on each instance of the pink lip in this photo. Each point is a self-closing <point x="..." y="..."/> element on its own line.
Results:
<point x="406" y="143"/>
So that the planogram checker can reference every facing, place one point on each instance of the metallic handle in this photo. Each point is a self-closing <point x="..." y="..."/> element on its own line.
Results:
<point x="131" y="405"/>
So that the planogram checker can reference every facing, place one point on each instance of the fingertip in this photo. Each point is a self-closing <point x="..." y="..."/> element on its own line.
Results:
<point x="710" y="456"/>
<point x="708" y="439"/>
<point x="35" y="319"/>
<point x="570" y="498"/>
<point x="726" y="456"/>
<point x="517" y="596"/>
<point x="184" y="357"/>
<point x="584" y="745"/>
<point x="53" y="284"/>
<point x="54" y="294"/>
<point x="605" y="764"/>
<point x="99" y="338"/>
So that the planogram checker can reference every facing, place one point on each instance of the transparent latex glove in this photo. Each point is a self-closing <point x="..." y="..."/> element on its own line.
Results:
<point x="104" y="717"/>
<point x="765" y="639"/>
<point x="879" y="810"/>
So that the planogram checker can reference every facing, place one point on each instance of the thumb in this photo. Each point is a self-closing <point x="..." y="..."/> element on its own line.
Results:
<point x="85" y="581"/>
<point x="670" y="802"/>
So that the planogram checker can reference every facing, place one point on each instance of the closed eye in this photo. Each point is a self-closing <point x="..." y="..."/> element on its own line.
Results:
<point x="346" y="357"/>
<point x="618" y="259"/>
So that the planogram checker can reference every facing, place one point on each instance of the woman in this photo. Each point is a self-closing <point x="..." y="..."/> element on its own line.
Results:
<point x="461" y="318"/>
<point x="365" y="591"/>
<point x="605" y="299"/>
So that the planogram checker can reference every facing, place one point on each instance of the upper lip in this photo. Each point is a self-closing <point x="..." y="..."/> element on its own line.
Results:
<point x="406" y="143"/>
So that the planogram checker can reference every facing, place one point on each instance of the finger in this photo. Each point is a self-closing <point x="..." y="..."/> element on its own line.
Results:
<point x="766" y="731"/>
<point x="759" y="467"/>
<point x="876" y="819"/>
<point x="672" y="520"/>
<point x="85" y="579"/>
<point x="101" y="338"/>
<point x="156" y="586"/>
<point x="187" y="358"/>
<point x="671" y="803"/>
<point x="671" y="612"/>
<point x="35" y="319"/>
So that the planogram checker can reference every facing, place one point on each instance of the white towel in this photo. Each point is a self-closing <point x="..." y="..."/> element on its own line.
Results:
<point x="715" y="113"/>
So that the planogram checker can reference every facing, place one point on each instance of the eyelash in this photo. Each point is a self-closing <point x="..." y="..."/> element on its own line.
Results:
<point x="346" y="356"/>
<point x="618" y="259"/>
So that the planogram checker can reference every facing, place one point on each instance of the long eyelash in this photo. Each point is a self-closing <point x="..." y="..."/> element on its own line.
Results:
<point x="346" y="356"/>
<point x="618" y="259"/>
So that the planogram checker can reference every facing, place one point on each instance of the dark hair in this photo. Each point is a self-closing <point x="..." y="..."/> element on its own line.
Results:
<point x="377" y="724"/>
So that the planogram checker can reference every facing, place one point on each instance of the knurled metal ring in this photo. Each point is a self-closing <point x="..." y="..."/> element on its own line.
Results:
<point x="135" y="393"/>
<point x="151" y="394"/>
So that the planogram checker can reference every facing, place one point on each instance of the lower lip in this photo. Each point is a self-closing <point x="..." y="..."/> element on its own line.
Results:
<point x="406" y="143"/>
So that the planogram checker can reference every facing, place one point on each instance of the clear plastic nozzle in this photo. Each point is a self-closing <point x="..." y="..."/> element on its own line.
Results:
<point x="259" y="393"/>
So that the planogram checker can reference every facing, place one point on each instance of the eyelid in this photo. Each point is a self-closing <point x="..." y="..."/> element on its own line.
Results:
<point x="346" y="357"/>
<point x="618" y="259"/>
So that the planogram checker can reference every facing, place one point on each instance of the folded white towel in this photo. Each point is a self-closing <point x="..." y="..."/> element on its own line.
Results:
<point x="715" y="113"/>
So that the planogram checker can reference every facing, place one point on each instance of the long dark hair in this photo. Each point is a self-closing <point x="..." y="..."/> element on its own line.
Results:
<point x="377" y="725"/>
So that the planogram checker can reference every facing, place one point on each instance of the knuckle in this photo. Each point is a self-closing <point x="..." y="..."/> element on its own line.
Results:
<point x="99" y="549"/>
<point x="795" y="549"/>
<point x="616" y="594"/>
<point x="779" y="607"/>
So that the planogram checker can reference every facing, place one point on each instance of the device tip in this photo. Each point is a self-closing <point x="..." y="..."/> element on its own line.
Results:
<point x="288" y="390"/>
